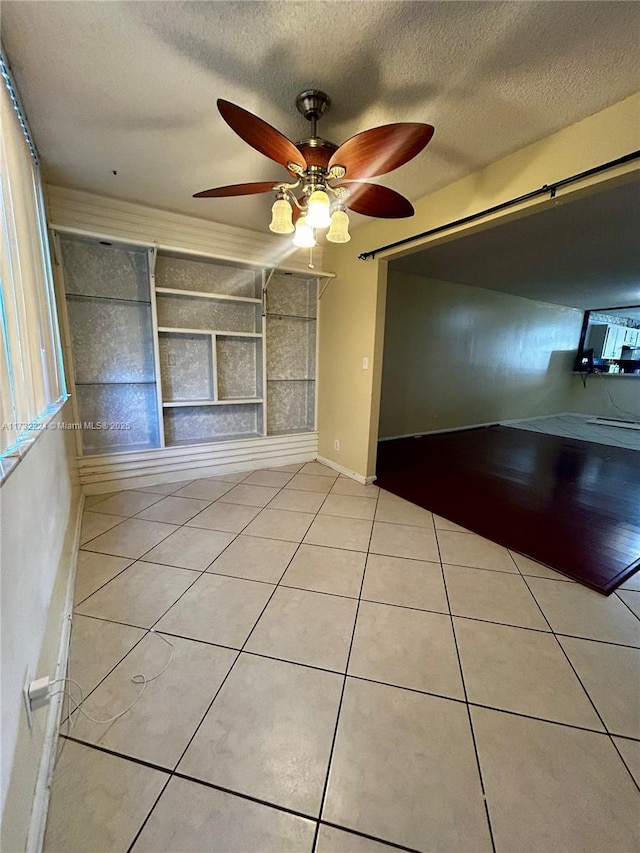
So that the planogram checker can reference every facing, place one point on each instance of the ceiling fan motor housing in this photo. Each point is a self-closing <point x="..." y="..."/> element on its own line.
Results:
<point x="313" y="103"/>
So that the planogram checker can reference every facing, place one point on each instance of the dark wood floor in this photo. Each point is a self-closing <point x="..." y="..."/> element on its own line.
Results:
<point x="572" y="505"/>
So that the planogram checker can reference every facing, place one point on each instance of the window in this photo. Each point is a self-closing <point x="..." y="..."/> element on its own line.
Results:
<point x="32" y="385"/>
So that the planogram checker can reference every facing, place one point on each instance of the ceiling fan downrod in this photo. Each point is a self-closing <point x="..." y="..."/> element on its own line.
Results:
<point x="313" y="103"/>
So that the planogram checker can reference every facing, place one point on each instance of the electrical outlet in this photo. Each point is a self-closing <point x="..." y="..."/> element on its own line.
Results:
<point x="336" y="444"/>
<point x="36" y="695"/>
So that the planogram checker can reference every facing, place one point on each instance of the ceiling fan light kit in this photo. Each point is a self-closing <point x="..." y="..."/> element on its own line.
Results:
<point x="316" y="196"/>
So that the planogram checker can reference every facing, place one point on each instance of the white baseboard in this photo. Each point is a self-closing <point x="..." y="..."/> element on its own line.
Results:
<point x="544" y="417"/>
<point x="438" y="431"/>
<point x="42" y="792"/>
<point x="365" y="481"/>
<point x="477" y="426"/>
<point x="113" y="472"/>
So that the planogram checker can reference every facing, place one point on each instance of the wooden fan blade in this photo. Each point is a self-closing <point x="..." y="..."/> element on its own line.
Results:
<point x="373" y="200"/>
<point x="238" y="189"/>
<point x="381" y="149"/>
<point x="260" y="135"/>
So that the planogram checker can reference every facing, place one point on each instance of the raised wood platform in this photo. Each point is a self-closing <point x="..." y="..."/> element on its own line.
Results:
<point x="572" y="505"/>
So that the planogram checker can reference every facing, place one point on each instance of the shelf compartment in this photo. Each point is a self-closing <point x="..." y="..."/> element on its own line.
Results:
<point x="293" y="295"/>
<point x="133" y="403"/>
<point x="206" y="276"/>
<point x="197" y="424"/>
<point x="239" y="367"/>
<point x="112" y="340"/>
<point x="187" y="312"/>
<point x="291" y="406"/>
<point x="107" y="271"/>
<point x="186" y="365"/>
<point x="291" y="348"/>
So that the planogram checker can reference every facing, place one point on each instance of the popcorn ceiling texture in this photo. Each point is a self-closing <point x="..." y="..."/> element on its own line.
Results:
<point x="132" y="86"/>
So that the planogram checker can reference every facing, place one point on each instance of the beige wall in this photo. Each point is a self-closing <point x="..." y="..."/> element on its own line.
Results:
<point x="456" y="355"/>
<point x="605" y="396"/>
<point x="352" y="308"/>
<point x="38" y="512"/>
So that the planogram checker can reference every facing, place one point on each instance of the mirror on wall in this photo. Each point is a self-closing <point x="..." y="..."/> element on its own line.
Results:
<point x="610" y="341"/>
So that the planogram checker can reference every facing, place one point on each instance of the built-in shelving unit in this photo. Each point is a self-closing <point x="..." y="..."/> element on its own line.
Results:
<point x="211" y="349"/>
<point x="187" y="349"/>
<point x="108" y="302"/>
<point x="291" y="312"/>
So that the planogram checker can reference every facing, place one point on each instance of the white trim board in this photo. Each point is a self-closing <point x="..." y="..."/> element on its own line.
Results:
<point x="42" y="792"/>
<point x="365" y="481"/>
<point x="479" y="426"/>
<point x="113" y="472"/>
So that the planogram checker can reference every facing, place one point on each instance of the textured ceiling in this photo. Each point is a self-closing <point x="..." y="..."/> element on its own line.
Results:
<point x="131" y="86"/>
<point x="583" y="253"/>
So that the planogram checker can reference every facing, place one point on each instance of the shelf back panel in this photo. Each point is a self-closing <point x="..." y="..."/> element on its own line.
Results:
<point x="239" y="362"/>
<point x="291" y="294"/>
<point x="111" y="271"/>
<point x="135" y="405"/>
<point x="196" y="424"/>
<point x="186" y="366"/>
<point x="180" y="312"/>
<point x="111" y="341"/>
<point x="290" y="406"/>
<point x="207" y="277"/>
<point x="291" y="348"/>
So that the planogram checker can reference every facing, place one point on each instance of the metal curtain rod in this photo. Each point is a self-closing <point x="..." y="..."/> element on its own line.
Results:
<point x="545" y="188"/>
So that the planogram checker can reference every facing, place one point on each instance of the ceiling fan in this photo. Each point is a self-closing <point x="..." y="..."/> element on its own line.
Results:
<point x="320" y="169"/>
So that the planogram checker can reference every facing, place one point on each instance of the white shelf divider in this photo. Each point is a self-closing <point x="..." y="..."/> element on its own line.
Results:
<point x="233" y="401"/>
<point x="201" y="294"/>
<point x="152" y="254"/>
<point x="174" y="330"/>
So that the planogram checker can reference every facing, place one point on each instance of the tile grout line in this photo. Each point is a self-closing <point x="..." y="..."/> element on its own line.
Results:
<point x="148" y="630"/>
<point x="190" y="741"/>
<point x="236" y="535"/>
<point x="350" y="831"/>
<point x="625" y="603"/>
<point x="588" y="695"/>
<point x="466" y="700"/>
<point x="444" y="696"/>
<point x="78" y="603"/>
<point x="344" y="686"/>
<point x="233" y="793"/>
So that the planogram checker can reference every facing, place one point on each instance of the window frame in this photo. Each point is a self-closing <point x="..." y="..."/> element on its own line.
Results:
<point x="32" y="376"/>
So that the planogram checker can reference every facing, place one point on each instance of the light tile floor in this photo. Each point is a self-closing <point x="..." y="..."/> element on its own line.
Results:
<point x="350" y="674"/>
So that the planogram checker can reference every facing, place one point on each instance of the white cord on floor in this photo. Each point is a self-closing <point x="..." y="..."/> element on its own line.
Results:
<point x="136" y="679"/>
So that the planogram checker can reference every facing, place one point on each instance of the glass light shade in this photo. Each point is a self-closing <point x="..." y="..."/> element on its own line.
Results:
<point x="281" y="221"/>
<point x="318" y="215"/>
<point x="339" y="231"/>
<point x="304" y="238"/>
